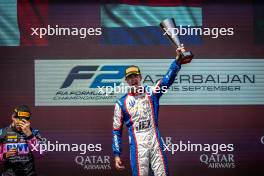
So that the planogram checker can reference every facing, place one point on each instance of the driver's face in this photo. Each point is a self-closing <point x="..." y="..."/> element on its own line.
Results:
<point x="134" y="80"/>
<point x="17" y="122"/>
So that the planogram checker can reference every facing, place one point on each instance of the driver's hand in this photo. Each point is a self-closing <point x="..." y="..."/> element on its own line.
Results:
<point x="118" y="163"/>
<point x="10" y="153"/>
<point x="25" y="126"/>
<point x="179" y="57"/>
<point x="180" y="50"/>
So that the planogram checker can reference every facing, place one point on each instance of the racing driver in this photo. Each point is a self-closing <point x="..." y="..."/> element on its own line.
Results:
<point x="138" y="109"/>
<point x="18" y="143"/>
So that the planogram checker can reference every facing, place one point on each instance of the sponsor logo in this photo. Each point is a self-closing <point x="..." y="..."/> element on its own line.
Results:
<point x="93" y="162"/>
<point x="12" y="137"/>
<point x="132" y="103"/>
<point x="100" y="80"/>
<point x="100" y="77"/>
<point x="22" y="148"/>
<point x="143" y="125"/>
<point x="218" y="160"/>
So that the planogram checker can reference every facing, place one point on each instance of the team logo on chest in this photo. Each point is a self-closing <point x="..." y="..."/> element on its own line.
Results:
<point x="140" y="110"/>
<point x="132" y="103"/>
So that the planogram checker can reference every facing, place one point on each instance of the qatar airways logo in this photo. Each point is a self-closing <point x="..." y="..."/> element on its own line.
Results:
<point x="93" y="162"/>
<point x="215" y="161"/>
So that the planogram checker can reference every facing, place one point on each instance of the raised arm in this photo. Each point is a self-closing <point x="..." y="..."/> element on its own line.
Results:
<point x="171" y="74"/>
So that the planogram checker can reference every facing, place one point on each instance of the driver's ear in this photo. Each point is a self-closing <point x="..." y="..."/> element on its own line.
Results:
<point x="140" y="76"/>
<point x="13" y="115"/>
<point x="126" y="80"/>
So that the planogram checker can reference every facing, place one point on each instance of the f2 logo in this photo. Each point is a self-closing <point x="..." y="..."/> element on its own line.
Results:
<point x="76" y="74"/>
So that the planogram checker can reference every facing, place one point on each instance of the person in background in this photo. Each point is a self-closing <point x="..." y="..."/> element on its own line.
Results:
<point x="19" y="144"/>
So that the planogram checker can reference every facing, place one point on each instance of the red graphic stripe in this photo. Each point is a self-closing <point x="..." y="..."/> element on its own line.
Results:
<point x="32" y="14"/>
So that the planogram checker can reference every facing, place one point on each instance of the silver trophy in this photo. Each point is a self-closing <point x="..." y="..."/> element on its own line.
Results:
<point x="168" y="25"/>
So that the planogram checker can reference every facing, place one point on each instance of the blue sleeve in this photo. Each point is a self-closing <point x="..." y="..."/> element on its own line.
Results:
<point x="168" y="79"/>
<point x="117" y="130"/>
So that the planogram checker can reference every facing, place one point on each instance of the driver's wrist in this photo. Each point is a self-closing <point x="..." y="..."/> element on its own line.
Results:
<point x="29" y="135"/>
<point x="117" y="158"/>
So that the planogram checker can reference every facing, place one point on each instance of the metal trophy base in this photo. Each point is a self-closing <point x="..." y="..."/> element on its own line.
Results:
<point x="186" y="55"/>
<point x="168" y="25"/>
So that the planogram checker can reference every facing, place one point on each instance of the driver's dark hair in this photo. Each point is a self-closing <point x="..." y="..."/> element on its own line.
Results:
<point x="23" y="108"/>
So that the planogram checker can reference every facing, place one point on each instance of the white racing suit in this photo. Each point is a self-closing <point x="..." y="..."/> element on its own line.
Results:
<point x="140" y="114"/>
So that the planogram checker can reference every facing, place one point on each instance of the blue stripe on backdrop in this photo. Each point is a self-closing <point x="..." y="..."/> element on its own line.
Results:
<point x="151" y="35"/>
<point x="139" y="25"/>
